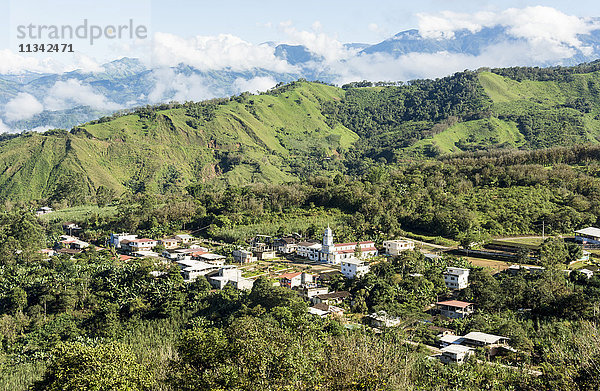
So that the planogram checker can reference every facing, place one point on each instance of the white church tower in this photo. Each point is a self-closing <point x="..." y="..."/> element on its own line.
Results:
<point x="328" y="246"/>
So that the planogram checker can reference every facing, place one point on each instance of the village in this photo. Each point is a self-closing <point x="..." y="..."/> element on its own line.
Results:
<point x="309" y="266"/>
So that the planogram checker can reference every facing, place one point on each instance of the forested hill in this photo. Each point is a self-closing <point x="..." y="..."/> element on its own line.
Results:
<point x="303" y="129"/>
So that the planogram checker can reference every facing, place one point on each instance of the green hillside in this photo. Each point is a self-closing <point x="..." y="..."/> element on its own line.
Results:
<point x="303" y="129"/>
<point x="246" y="139"/>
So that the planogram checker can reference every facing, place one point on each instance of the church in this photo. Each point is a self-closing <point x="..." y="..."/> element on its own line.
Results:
<point x="335" y="253"/>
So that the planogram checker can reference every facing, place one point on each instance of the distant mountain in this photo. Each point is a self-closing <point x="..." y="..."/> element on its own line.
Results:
<point x="74" y="97"/>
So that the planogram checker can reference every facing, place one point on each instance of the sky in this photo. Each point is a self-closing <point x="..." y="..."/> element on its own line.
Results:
<point x="250" y="20"/>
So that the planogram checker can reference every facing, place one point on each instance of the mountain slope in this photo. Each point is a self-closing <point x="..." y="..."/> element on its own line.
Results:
<point x="248" y="139"/>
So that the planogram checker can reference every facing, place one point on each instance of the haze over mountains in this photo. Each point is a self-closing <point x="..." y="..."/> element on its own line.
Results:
<point x="32" y="100"/>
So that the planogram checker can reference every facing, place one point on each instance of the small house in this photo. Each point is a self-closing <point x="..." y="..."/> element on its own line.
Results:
<point x="353" y="267"/>
<point x="455" y="354"/>
<point x="395" y="247"/>
<point x="456" y="278"/>
<point x="455" y="309"/>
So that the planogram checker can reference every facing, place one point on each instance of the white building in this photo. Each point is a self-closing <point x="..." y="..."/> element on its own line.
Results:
<point x="353" y="267"/>
<point x="145" y="244"/>
<point x="185" y="238"/>
<point x="116" y="239"/>
<point x="334" y="253"/>
<point x="395" y="247"/>
<point x="192" y="269"/>
<point x="456" y="278"/>
<point x="230" y="275"/>
<point x="455" y="354"/>
<point x="310" y="250"/>
<point x="243" y="256"/>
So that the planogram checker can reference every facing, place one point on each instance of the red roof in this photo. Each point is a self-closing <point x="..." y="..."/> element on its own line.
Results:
<point x="125" y="257"/>
<point x="353" y="243"/>
<point x="141" y="240"/>
<point x="289" y="276"/>
<point x="454" y="303"/>
<point x="351" y="251"/>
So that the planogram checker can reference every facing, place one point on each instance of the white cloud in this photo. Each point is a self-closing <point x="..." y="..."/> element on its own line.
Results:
<point x="256" y="84"/>
<point x="215" y="52"/>
<point x="3" y="127"/>
<point x="170" y="85"/>
<point x="21" y="107"/>
<point x="330" y="48"/>
<point x="14" y="63"/>
<point x="71" y="93"/>
<point x="538" y="25"/>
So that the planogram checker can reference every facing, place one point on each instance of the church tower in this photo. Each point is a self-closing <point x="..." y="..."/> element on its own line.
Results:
<point x="328" y="247"/>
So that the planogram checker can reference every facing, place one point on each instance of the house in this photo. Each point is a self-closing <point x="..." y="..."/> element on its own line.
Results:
<point x="382" y="319"/>
<point x="185" y="238"/>
<point x="456" y="278"/>
<point x="285" y="245"/>
<point x="43" y="210"/>
<point x="335" y="253"/>
<point x="395" y="247"/>
<point x="264" y="254"/>
<point x="308" y="292"/>
<point x="192" y="269"/>
<point x="243" y="256"/>
<point x="324" y="310"/>
<point x="47" y="253"/>
<point x="332" y="298"/>
<point x="454" y="308"/>
<point x="310" y="250"/>
<point x="589" y="235"/>
<point x="353" y="267"/>
<point x="230" y="275"/>
<point x="450" y="339"/>
<point x="455" y="354"/>
<point x="69" y="228"/>
<point x="328" y="276"/>
<point x="72" y="243"/>
<point x="586" y="272"/>
<point x="293" y="280"/>
<point x="479" y="339"/>
<point x="143" y="244"/>
<point x="116" y="240"/>
<point x="213" y="259"/>
<point x="169" y="243"/>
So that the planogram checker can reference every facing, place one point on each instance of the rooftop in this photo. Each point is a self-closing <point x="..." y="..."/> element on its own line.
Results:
<point x="334" y="295"/>
<point x="454" y="303"/>
<point x="456" y="349"/>
<point x="290" y="275"/>
<point x="591" y="231"/>
<point x="484" y="337"/>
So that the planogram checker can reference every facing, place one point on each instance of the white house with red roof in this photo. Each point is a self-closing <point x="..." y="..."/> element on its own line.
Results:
<point x="335" y="253"/>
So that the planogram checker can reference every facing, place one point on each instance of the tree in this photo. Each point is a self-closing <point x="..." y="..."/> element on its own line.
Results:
<point x="110" y="366"/>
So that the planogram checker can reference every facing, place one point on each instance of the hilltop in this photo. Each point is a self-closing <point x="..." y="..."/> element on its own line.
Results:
<point x="303" y="129"/>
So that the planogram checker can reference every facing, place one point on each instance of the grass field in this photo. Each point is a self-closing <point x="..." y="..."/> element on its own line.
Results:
<point x="79" y="213"/>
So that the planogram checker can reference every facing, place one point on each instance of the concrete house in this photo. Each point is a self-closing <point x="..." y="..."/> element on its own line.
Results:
<point x="169" y="243"/>
<point x="243" y="256"/>
<point x="455" y="309"/>
<point x="310" y="250"/>
<point x="144" y="244"/>
<point x="332" y="298"/>
<point x="185" y="238"/>
<point x="456" y="278"/>
<point x="395" y="247"/>
<point x="294" y="280"/>
<point x="285" y="245"/>
<point x="382" y="319"/>
<point x="353" y="267"/>
<point x="116" y="240"/>
<point x="230" y="275"/>
<point x="455" y="354"/>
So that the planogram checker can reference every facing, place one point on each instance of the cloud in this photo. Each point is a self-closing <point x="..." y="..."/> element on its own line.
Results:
<point x="330" y="48"/>
<point x="256" y="84"/>
<point x="537" y="25"/>
<point x="170" y="85"/>
<point x="215" y="52"/>
<point x="22" y="107"/>
<point x="71" y="93"/>
<point x="3" y="127"/>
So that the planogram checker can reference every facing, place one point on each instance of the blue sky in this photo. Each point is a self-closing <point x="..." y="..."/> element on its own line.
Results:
<point x="349" y="21"/>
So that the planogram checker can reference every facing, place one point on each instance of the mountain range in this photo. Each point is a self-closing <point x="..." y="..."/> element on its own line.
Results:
<point x="68" y="99"/>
